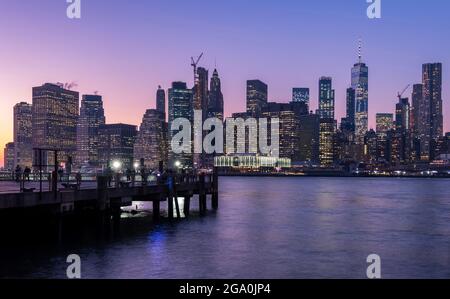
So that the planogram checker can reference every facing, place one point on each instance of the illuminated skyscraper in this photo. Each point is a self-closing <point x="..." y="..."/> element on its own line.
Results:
<point x="8" y="154"/>
<point x="180" y="106"/>
<point x="201" y="92"/>
<point x="326" y="98"/>
<point x="92" y="116"/>
<point x="327" y="122"/>
<point x="431" y="117"/>
<point x="417" y="99"/>
<point x="161" y="101"/>
<point x="215" y="103"/>
<point x="309" y="136"/>
<point x="256" y="97"/>
<point x="402" y="115"/>
<point x="116" y="143"/>
<point x="55" y="118"/>
<point x="23" y="138"/>
<point x="385" y="125"/>
<point x="370" y="147"/>
<point x="415" y="108"/>
<point x="360" y="83"/>
<point x="200" y="102"/>
<point x="151" y="141"/>
<point x="385" y="122"/>
<point x="289" y="127"/>
<point x="350" y="108"/>
<point x="301" y="95"/>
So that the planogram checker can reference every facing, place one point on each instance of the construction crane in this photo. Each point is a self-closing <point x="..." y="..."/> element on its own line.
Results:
<point x="400" y="94"/>
<point x="194" y="63"/>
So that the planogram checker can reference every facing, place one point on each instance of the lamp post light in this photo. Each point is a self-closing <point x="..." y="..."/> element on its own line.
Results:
<point x="117" y="165"/>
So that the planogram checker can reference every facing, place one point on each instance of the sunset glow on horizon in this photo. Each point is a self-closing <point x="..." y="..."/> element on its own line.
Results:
<point x="124" y="50"/>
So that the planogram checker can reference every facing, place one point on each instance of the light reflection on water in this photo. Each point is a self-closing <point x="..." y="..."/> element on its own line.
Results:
<point x="267" y="228"/>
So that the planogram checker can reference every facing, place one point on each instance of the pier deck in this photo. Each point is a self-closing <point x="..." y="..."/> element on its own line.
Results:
<point x="99" y="196"/>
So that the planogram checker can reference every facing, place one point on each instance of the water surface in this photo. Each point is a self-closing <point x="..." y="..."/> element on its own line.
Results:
<point x="264" y="228"/>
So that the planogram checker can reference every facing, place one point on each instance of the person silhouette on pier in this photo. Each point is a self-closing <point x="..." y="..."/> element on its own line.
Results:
<point x="18" y="173"/>
<point x="78" y="178"/>
<point x="26" y="173"/>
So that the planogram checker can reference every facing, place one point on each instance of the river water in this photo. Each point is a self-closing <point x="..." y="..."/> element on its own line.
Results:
<point x="265" y="228"/>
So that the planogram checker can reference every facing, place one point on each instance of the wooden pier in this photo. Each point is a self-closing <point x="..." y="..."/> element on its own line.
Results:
<point x="103" y="198"/>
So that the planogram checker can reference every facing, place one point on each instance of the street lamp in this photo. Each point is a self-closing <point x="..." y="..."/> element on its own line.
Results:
<point x="117" y="165"/>
<point x="177" y="164"/>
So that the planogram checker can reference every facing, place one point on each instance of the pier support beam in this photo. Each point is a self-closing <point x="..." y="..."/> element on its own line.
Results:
<point x="187" y="206"/>
<point x="102" y="193"/>
<point x="170" y="206"/>
<point x="202" y="195"/>
<point x="175" y="197"/>
<point x="215" y="189"/>
<point x="156" y="208"/>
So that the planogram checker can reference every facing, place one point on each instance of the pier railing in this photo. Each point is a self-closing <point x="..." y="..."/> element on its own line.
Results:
<point x="110" y="193"/>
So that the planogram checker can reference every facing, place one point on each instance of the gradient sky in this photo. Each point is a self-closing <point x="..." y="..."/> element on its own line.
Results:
<point x="125" y="49"/>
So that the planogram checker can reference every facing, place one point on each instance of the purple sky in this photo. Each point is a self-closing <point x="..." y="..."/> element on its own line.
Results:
<point x="125" y="49"/>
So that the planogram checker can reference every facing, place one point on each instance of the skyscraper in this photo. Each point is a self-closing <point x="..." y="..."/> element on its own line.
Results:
<point x="151" y="141"/>
<point x="180" y="106"/>
<point x="326" y="98"/>
<point x="327" y="122"/>
<point x="417" y="99"/>
<point x="256" y="97"/>
<point x="384" y="122"/>
<point x="215" y="103"/>
<point x="402" y="128"/>
<point x="370" y="147"/>
<point x="8" y="154"/>
<point x="92" y="116"/>
<point x="350" y="109"/>
<point x="360" y="83"/>
<point x="215" y="109"/>
<point x="55" y="118"/>
<point x="200" y="102"/>
<point x="431" y="114"/>
<point x="301" y="95"/>
<point x="385" y="125"/>
<point x="161" y="101"/>
<point x="289" y="126"/>
<point x="415" y="109"/>
<point x="201" y="91"/>
<point x="402" y="114"/>
<point x="309" y="135"/>
<point x="23" y="138"/>
<point x="116" y="143"/>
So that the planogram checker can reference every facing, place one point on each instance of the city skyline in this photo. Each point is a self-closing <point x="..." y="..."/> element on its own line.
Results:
<point x="386" y="79"/>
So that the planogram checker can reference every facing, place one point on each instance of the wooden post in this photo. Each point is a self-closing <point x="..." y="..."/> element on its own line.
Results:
<point x="157" y="200"/>
<point x="55" y="176"/>
<point x="156" y="208"/>
<point x="215" y="189"/>
<point x="170" y="205"/>
<point x="102" y="193"/>
<point x="202" y="195"/>
<point x="187" y="205"/>
<point x="170" y="197"/>
<point x="177" y="206"/>
<point x="54" y="182"/>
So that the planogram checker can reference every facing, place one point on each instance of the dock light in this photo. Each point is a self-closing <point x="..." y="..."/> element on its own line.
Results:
<point x="116" y="164"/>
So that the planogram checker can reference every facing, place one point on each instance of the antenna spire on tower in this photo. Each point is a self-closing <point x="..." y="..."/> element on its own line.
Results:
<point x="359" y="50"/>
